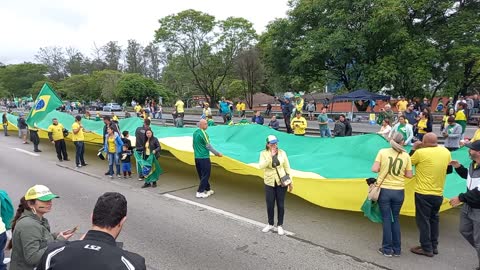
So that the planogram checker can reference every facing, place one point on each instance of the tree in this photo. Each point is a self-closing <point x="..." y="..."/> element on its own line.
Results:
<point x="249" y="69"/>
<point x="81" y="87"/>
<point x="107" y="81"/>
<point x="207" y="47"/>
<point x="134" y="57"/>
<point x="76" y="62"/>
<point x="112" y="52"/>
<point x="54" y="59"/>
<point x="152" y="58"/>
<point x="137" y="87"/>
<point x="18" y="79"/>
<point x="177" y="78"/>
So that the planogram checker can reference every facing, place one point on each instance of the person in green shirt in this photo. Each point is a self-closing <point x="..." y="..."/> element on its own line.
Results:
<point x="201" y="150"/>
<point x="323" y="123"/>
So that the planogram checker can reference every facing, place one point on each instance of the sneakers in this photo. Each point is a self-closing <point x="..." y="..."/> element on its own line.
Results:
<point x="435" y="251"/>
<point x="210" y="192"/>
<point x="202" y="195"/>
<point x="141" y="178"/>
<point x="79" y="166"/>
<point x="280" y="230"/>
<point x="125" y="177"/>
<point x="419" y="251"/>
<point x="119" y="176"/>
<point x="380" y="250"/>
<point x="267" y="228"/>
<point x="154" y="184"/>
<point x="6" y="260"/>
<point x="146" y="185"/>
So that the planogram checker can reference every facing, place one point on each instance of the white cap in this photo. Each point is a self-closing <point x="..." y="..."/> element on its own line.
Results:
<point x="272" y="139"/>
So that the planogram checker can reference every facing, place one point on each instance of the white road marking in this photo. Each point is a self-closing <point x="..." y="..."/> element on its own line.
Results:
<point x="26" y="152"/>
<point x="222" y="212"/>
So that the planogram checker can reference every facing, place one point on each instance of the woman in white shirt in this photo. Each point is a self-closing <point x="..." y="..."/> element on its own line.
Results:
<point x="385" y="129"/>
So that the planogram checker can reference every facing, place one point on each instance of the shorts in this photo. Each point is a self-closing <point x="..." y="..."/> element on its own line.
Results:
<point x="23" y="131"/>
<point x="126" y="167"/>
<point x="310" y="113"/>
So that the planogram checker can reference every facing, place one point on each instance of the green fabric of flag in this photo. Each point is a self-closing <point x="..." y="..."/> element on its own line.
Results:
<point x="47" y="101"/>
<point x="149" y="167"/>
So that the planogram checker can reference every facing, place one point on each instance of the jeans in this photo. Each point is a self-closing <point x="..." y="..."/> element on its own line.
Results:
<point x="286" y="118"/>
<point x="470" y="227"/>
<point x="79" y="152"/>
<point x="427" y="218"/>
<point x="272" y="195"/>
<point x="113" y="159"/>
<point x="390" y="202"/>
<point x="34" y="139"/>
<point x="3" y="243"/>
<point x="5" y="130"/>
<point x="325" y="132"/>
<point x="61" y="149"/>
<point x="204" y="167"/>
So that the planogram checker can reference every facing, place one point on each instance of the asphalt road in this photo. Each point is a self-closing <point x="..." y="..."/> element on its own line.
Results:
<point x="172" y="234"/>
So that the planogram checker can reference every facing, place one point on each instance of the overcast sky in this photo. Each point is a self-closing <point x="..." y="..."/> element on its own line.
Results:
<point x="27" y="25"/>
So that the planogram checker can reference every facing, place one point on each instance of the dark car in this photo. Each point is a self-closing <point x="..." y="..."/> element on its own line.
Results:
<point x="96" y="106"/>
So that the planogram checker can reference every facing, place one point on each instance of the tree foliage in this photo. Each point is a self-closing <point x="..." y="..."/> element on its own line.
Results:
<point x="206" y="46"/>
<point x="17" y="80"/>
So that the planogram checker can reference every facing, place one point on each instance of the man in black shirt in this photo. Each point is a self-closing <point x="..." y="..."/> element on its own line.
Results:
<point x="98" y="249"/>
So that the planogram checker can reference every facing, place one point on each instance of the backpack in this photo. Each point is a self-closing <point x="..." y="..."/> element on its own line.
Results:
<point x="6" y="209"/>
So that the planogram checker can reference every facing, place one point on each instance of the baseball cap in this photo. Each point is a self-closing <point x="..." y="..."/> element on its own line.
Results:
<point x="474" y="146"/>
<point x="272" y="139"/>
<point x="41" y="193"/>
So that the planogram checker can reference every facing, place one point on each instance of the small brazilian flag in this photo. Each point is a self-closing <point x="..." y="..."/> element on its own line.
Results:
<point x="47" y="101"/>
<point x="149" y="168"/>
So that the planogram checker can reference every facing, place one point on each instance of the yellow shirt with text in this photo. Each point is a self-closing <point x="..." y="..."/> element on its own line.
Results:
<point x="392" y="168"/>
<point x="57" y="131"/>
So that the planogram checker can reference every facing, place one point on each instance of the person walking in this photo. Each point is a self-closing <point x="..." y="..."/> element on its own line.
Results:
<point x="470" y="213"/>
<point x="5" y="123"/>
<point x="431" y="167"/>
<point x="452" y="134"/>
<point x="23" y="128"/>
<point x="108" y="218"/>
<point x="78" y="139"/>
<point x="140" y="138"/>
<point x="152" y="147"/>
<point x="201" y="151"/>
<point x="31" y="230"/>
<point x="274" y="162"/>
<point x="393" y="166"/>
<point x="56" y="136"/>
<point x="113" y="147"/>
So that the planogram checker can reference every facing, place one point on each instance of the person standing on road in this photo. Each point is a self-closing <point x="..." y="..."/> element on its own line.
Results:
<point x="323" y="123"/>
<point x="140" y="138"/>
<point x="31" y="230"/>
<point x="113" y="148"/>
<point x="470" y="213"/>
<point x="109" y="123"/>
<point x="393" y="166"/>
<point x="201" y="151"/>
<point x="56" y="136"/>
<point x="431" y="168"/>
<point x="34" y="137"/>
<point x="152" y="147"/>
<point x="452" y="134"/>
<point x="299" y="124"/>
<point x="5" y="123"/>
<point x="78" y="139"/>
<point x="23" y="127"/>
<point x="98" y="249"/>
<point x="275" y="164"/>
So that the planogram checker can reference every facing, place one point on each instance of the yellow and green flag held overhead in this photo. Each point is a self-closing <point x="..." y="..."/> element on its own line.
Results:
<point x="47" y="101"/>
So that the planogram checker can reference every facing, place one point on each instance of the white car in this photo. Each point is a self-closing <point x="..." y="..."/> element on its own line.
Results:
<point x="111" y="107"/>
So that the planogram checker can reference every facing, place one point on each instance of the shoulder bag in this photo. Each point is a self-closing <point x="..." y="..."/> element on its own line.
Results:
<point x="374" y="190"/>
<point x="284" y="180"/>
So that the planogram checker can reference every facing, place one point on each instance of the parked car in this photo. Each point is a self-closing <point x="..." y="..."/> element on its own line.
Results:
<point x="111" y="107"/>
<point x="96" y="106"/>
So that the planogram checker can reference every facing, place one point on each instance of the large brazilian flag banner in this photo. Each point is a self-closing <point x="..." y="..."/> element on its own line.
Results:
<point x="327" y="172"/>
<point x="47" y="101"/>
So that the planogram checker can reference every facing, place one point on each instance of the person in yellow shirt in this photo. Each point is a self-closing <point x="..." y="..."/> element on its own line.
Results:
<point x="242" y="108"/>
<point x="179" y="108"/>
<point x="431" y="167"/>
<point x="402" y="104"/>
<point x="299" y="124"/>
<point x="239" y="108"/>
<point x="476" y="136"/>
<point x="460" y="116"/>
<point x="56" y="136"/>
<point x="78" y="139"/>
<point x="393" y="166"/>
<point x="137" y="109"/>
<point x="113" y="146"/>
